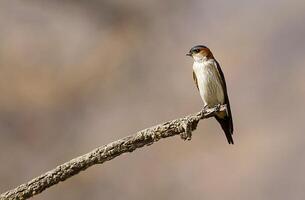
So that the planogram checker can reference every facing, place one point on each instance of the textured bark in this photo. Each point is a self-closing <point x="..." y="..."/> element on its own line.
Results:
<point x="183" y="126"/>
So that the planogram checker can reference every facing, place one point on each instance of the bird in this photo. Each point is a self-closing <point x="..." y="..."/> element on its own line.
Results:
<point x="210" y="82"/>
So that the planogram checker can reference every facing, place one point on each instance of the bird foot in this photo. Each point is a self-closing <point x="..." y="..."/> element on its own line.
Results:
<point x="204" y="110"/>
<point x="217" y="107"/>
<point x="187" y="134"/>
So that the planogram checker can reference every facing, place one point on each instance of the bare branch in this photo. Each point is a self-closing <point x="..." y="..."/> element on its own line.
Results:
<point x="183" y="126"/>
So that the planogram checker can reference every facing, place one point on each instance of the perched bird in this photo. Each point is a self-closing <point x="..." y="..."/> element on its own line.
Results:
<point x="211" y="84"/>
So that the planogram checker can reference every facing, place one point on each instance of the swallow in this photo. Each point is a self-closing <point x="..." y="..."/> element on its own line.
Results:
<point x="210" y="82"/>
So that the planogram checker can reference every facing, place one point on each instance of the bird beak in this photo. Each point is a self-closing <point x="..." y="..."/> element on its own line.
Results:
<point x="188" y="54"/>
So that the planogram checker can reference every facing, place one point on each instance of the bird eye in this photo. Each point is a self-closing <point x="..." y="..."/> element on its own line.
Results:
<point x="196" y="50"/>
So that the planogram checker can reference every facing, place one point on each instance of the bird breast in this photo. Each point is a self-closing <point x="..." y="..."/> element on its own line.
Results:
<point x="209" y="83"/>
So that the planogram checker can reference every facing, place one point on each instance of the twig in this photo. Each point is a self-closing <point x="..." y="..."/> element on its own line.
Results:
<point x="183" y="126"/>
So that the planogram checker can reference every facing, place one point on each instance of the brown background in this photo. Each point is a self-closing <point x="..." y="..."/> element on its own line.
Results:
<point x="75" y="75"/>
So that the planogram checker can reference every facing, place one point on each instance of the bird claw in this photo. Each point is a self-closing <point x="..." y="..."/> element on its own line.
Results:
<point x="217" y="107"/>
<point x="204" y="110"/>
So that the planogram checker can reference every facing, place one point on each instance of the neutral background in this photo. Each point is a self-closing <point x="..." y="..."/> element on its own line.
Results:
<point x="75" y="75"/>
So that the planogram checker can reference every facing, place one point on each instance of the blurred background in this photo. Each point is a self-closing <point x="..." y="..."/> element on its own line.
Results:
<point x="75" y="75"/>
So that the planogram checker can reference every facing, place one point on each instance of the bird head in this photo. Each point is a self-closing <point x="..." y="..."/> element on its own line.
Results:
<point x="200" y="52"/>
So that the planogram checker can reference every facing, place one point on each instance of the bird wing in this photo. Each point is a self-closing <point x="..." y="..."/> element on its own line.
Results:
<point x="195" y="79"/>
<point x="224" y="87"/>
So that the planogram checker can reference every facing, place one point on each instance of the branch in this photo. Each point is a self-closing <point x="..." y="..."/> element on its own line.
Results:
<point x="183" y="126"/>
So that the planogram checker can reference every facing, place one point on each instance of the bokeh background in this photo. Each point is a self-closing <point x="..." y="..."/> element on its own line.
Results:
<point x="75" y="75"/>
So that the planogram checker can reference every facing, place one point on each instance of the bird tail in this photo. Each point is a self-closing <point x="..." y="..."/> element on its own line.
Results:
<point x="227" y="127"/>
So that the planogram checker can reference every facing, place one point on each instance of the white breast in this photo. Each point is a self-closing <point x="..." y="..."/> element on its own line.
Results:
<point x="209" y="82"/>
